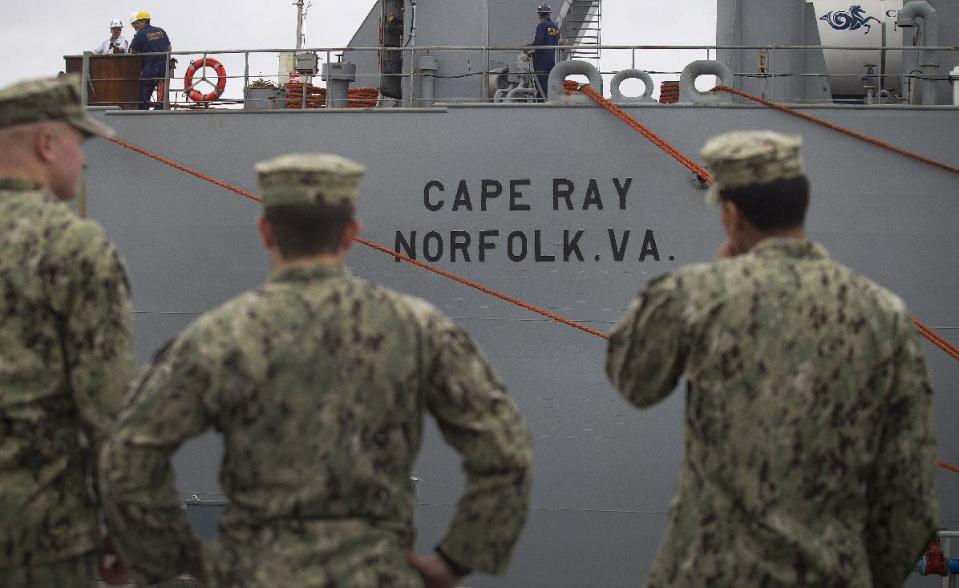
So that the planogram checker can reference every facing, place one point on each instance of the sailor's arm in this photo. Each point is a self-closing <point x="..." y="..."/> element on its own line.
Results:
<point x="646" y="352"/>
<point x="540" y="38"/>
<point x="477" y="418"/>
<point x="901" y="496"/>
<point x="136" y="45"/>
<point x="142" y="506"/>
<point x="91" y="300"/>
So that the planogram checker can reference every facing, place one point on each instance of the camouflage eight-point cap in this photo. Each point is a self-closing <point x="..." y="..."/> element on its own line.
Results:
<point x="745" y="158"/>
<point x="309" y="178"/>
<point x="43" y="100"/>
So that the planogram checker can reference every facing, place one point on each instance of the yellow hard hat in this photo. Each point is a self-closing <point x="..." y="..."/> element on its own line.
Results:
<point x="141" y="15"/>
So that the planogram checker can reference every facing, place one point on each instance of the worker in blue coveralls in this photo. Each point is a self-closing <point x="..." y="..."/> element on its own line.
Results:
<point x="544" y="60"/>
<point x="149" y="39"/>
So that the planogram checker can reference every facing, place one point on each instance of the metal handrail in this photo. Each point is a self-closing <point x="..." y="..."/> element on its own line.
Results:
<point x="487" y="51"/>
<point x="422" y="48"/>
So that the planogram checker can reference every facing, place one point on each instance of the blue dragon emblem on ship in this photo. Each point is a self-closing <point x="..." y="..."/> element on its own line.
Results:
<point x="852" y="20"/>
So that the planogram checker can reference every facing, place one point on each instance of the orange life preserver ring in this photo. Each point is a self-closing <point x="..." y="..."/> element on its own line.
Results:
<point x="197" y="65"/>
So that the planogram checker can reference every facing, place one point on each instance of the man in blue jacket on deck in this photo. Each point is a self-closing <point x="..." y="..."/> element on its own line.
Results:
<point x="149" y="39"/>
<point x="544" y="60"/>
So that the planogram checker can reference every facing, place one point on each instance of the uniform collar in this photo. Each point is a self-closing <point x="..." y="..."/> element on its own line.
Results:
<point x="789" y="247"/>
<point x="20" y="185"/>
<point x="318" y="271"/>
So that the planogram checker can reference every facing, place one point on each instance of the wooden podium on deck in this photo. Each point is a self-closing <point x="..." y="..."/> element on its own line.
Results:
<point x="114" y="79"/>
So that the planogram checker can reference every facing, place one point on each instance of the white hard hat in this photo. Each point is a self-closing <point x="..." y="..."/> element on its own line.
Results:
<point x="116" y="23"/>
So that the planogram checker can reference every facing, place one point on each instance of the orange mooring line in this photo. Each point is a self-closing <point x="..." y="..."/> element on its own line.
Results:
<point x="837" y="128"/>
<point x="621" y="114"/>
<point x="928" y="333"/>
<point x="484" y="289"/>
<point x="372" y="245"/>
<point x="185" y="169"/>
<point x="644" y="131"/>
<point x="936" y="339"/>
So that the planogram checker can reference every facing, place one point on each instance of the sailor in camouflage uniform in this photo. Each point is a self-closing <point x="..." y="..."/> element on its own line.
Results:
<point x="65" y="328"/>
<point x="319" y="382"/>
<point x="810" y="456"/>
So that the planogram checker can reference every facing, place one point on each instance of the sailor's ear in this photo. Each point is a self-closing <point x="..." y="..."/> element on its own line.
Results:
<point x="265" y="229"/>
<point x="732" y="217"/>
<point x="726" y="209"/>
<point x="350" y="232"/>
<point x="44" y="142"/>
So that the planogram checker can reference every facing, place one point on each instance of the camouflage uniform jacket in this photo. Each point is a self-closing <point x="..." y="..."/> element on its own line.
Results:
<point x="318" y="382"/>
<point x="65" y="366"/>
<point x="810" y="456"/>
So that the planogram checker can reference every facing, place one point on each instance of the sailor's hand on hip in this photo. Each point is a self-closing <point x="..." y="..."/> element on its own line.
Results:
<point x="111" y="568"/>
<point x="435" y="572"/>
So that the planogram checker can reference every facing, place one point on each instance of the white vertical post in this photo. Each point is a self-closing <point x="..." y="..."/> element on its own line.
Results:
<point x="412" y="44"/>
<point x="954" y="78"/>
<point x="246" y="70"/>
<point x="165" y="98"/>
<point x="945" y="539"/>
<point x="484" y="86"/>
<point x="946" y="542"/>
<point x="299" y="24"/>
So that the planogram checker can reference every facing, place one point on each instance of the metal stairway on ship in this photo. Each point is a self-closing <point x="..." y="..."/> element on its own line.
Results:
<point x="580" y="23"/>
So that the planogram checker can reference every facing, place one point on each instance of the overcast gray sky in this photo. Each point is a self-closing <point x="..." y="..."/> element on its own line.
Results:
<point x="36" y="34"/>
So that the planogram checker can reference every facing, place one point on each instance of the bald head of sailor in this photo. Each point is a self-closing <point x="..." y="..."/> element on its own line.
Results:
<point x="42" y="130"/>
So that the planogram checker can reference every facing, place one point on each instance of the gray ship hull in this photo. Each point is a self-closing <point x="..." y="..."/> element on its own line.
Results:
<point x="605" y="473"/>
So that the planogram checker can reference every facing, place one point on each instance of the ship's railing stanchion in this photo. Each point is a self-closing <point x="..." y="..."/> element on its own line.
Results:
<point x="164" y="99"/>
<point x="329" y="59"/>
<point x="950" y="578"/>
<point x="85" y="79"/>
<point x="954" y="80"/>
<point x="246" y="73"/>
<point x="412" y="78"/>
<point x="773" y="70"/>
<point x="484" y="83"/>
<point x="303" y="81"/>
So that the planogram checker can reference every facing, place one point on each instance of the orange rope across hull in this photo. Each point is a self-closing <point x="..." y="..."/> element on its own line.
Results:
<point x="837" y="128"/>
<point x="928" y="333"/>
<point x="644" y="131"/>
<point x="372" y="245"/>
<point x="619" y="113"/>
<point x="502" y="296"/>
